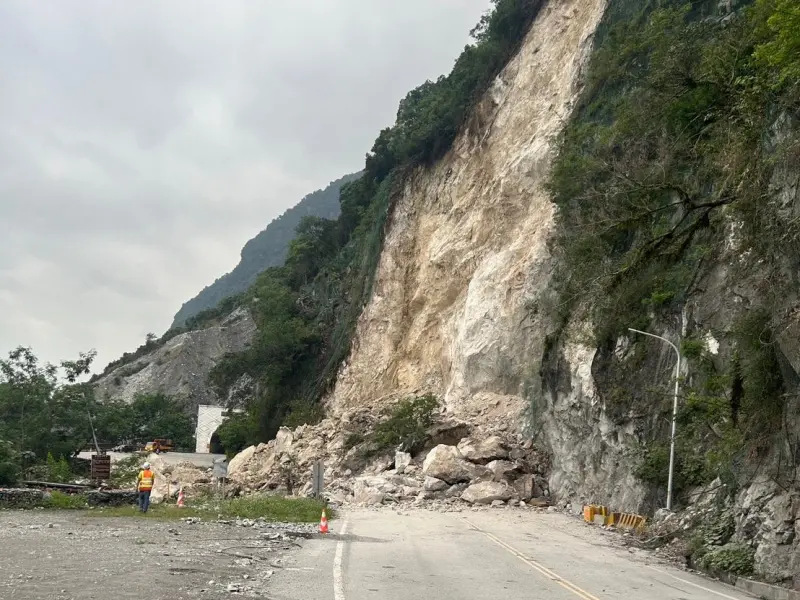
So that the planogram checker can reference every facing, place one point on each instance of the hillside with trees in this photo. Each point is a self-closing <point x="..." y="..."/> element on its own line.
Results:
<point x="267" y="249"/>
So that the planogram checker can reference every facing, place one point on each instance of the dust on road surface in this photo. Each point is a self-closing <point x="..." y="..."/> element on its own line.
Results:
<point x="483" y="555"/>
<point x="68" y="555"/>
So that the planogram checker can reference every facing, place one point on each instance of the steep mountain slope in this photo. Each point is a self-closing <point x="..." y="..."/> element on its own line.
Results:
<point x="267" y="249"/>
<point x="675" y="180"/>
<point x="458" y="298"/>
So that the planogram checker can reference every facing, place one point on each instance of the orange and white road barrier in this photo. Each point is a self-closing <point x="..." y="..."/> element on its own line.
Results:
<point x="181" y="498"/>
<point x="323" y="522"/>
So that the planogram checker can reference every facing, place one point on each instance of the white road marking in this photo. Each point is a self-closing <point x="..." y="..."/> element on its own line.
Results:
<point x="687" y="582"/>
<point x="338" y="576"/>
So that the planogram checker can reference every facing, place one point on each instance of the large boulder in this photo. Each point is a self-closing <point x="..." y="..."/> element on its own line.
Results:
<point x="486" y="492"/>
<point x="455" y="491"/>
<point x="447" y="463"/>
<point x="502" y="470"/>
<point x="482" y="451"/>
<point x="254" y="468"/>
<point x="768" y="517"/>
<point x="370" y="490"/>
<point x="171" y="478"/>
<point x="241" y="462"/>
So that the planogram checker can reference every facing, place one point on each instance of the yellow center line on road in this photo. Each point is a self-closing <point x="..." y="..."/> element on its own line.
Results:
<point x="567" y="585"/>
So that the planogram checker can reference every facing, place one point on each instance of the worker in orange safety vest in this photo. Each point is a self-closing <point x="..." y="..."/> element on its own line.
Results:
<point x="144" y="485"/>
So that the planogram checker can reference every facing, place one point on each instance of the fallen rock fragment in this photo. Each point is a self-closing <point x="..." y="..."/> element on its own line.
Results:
<point x="447" y="463"/>
<point x="486" y="492"/>
<point x="432" y="484"/>
<point x="482" y="451"/>
<point x="401" y="461"/>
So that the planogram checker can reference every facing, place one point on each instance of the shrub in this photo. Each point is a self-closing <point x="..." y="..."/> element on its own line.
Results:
<point x="352" y="440"/>
<point x="58" y="471"/>
<point x="730" y="558"/>
<point x="60" y="500"/>
<point x="654" y="465"/>
<point x="304" y="413"/>
<point x="9" y="464"/>
<point x="406" y="424"/>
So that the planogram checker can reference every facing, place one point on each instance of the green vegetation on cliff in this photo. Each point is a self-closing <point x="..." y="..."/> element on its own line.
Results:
<point x="307" y="309"/>
<point x="678" y="152"/>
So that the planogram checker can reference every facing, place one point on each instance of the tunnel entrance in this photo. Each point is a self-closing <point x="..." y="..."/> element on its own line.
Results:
<point x="215" y="445"/>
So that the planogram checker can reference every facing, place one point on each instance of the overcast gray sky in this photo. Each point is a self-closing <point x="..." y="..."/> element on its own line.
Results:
<point x="143" y="143"/>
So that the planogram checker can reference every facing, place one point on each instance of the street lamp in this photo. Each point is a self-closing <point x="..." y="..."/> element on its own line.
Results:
<point x="674" y="412"/>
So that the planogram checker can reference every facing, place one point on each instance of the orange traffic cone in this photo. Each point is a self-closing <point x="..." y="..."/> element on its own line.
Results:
<point x="181" y="498"/>
<point x="323" y="523"/>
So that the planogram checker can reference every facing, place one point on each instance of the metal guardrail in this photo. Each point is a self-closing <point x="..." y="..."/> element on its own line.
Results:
<point x="58" y="486"/>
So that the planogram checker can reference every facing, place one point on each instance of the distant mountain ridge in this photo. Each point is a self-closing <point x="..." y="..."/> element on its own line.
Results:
<point x="267" y="249"/>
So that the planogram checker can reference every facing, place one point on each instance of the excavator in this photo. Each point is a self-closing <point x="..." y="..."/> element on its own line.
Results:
<point x="159" y="445"/>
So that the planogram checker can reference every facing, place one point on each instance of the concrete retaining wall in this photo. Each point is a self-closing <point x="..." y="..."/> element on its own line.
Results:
<point x="20" y="498"/>
<point x="28" y="498"/>
<point x="111" y="498"/>
<point x="765" y="591"/>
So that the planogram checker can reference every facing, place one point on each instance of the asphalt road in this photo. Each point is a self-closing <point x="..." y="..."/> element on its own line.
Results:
<point x="479" y="556"/>
<point x="170" y="458"/>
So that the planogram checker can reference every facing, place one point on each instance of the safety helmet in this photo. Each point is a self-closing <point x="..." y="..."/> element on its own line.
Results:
<point x="146" y="465"/>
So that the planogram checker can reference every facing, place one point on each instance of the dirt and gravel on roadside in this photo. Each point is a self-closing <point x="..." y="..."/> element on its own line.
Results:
<point x="72" y="555"/>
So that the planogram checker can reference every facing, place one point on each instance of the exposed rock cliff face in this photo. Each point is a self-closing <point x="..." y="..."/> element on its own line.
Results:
<point x="463" y="296"/>
<point x="460" y="293"/>
<point x="180" y="367"/>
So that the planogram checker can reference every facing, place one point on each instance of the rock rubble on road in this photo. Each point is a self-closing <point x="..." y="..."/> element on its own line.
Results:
<point x="476" y="465"/>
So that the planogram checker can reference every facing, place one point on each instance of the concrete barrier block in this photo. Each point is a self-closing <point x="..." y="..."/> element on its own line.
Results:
<point x="766" y="591"/>
<point x="588" y="513"/>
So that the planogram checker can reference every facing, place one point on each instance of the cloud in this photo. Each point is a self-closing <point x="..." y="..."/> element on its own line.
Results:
<point x="143" y="143"/>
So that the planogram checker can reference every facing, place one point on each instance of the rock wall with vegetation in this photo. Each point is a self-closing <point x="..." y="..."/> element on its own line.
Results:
<point x="179" y="367"/>
<point x="676" y="185"/>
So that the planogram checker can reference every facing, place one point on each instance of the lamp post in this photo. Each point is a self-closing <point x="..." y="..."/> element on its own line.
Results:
<point x="674" y="412"/>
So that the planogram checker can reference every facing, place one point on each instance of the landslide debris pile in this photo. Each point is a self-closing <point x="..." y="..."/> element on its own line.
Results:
<point x="454" y="462"/>
<point x="194" y="480"/>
